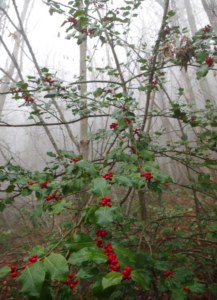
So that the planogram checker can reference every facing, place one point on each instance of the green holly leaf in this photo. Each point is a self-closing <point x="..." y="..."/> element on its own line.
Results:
<point x="31" y="279"/>
<point x="138" y="277"/>
<point x="64" y="293"/>
<point x="56" y="266"/>
<point x="97" y="93"/>
<point x="39" y="250"/>
<point x="146" y="155"/>
<point x="202" y="71"/>
<point x="196" y="287"/>
<point x="120" y="250"/>
<point x="122" y="180"/>
<point x="79" y="241"/>
<point x="143" y="260"/>
<point x="26" y="192"/>
<point x="98" y="290"/>
<point x="113" y="278"/>
<point x="85" y="255"/>
<point x="201" y="56"/>
<point x="162" y="265"/>
<point x="124" y="261"/>
<point x="179" y="294"/>
<point x="81" y="39"/>
<point x="4" y="270"/>
<point x="99" y="187"/>
<point x="86" y="273"/>
<point x="59" y="206"/>
<point x="106" y="215"/>
<point x="88" y="214"/>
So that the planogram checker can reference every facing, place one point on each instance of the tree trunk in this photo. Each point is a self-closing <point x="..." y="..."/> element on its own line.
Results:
<point x="84" y="140"/>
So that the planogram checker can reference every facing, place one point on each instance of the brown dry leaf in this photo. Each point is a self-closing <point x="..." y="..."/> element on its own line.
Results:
<point x="167" y="50"/>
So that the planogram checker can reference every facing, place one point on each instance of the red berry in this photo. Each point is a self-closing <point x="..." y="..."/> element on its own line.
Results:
<point x="23" y="267"/>
<point x="70" y="275"/>
<point x="71" y="286"/>
<point x="68" y="281"/>
<point x="13" y="268"/>
<point x="14" y="274"/>
<point x="75" y="281"/>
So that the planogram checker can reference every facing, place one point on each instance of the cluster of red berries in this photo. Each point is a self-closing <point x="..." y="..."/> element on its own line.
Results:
<point x="126" y="273"/>
<point x="99" y="243"/>
<point x="74" y="159"/>
<point x="87" y="31"/>
<point x="112" y="260"/>
<point x="166" y="185"/>
<point x="101" y="232"/>
<point x="27" y="99"/>
<point x="31" y="183"/>
<point x="122" y="107"/>
<point x="49" y="80"/>
<point x="108" y="176"/>
<point x="13" y="89"/>
<point x="71" y="283"/>
<point x="105" y="19"/>
<point x="105" y="201"/>
<point x="185" y="288"/>
<point x="147" y="176"/>
<point x="209" y="61"/>
<point x="53" y="196"/>
<point x="113" y="125"/>
<point x="166" y="30"/>
<point x="206" y="28"/>
<point x="127" y="121"/>
<point x="153" y="82"/>
<point x="107" y="91"/>
<point x="60" y="88"/>
<point x="44" y="184"/>
<point x="72" y="20"/>
<point x="175" y="227"/>
<point x="136" y="130"/>
<point x="31" y="259"/>
<point x="13" y="271"/>
<point x="168" y="273"/>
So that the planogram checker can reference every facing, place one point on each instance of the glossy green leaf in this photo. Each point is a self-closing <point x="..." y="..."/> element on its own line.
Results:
<point x="120" y="250"/>
<point x="136" y="276"/>
<point x="179" y="294"/>
<point x="98" y="291"/>
<point x="99" y="187"/>
<point x="79" y="241"/>
<point x="56" y="267"/>
<point x="113" y="278"/>
<point x="4" y="270"/>
<point x="202" y="71"/>
<point x="86" y="273"/>
<point x="31" y="279"/>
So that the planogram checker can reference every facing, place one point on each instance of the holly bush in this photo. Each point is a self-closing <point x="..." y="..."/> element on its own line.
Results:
<point x="103" y="251"/>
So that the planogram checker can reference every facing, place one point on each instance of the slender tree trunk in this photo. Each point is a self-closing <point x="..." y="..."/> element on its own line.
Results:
<point x="84" y="140"/>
